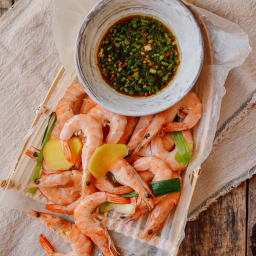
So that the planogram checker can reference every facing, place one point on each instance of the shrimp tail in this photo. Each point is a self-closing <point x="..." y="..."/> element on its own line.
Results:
<point x="67" y="151"/>
<point x="117" y="199"/>
<point x="46" y="245"/>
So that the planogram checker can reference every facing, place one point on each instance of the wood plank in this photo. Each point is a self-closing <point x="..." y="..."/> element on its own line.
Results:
<point x="221" y="230"/>
<point x="251" y="230"/>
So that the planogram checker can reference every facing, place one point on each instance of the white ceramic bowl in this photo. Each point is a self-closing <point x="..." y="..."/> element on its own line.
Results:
<point x="173" y="14"/>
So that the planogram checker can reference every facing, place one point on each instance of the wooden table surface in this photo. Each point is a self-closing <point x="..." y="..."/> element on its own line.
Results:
<point x="226" y="228"/>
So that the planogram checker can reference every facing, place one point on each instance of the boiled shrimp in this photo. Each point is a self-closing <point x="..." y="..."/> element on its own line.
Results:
<point x="79" y="242"/>
<point x="139" y="131"/>
<point x="92" y="130"/>
<point x="86" y="221"/>
<point x="155" y="127"/>
<point x="103" y="184"/>
<point x="158" y="149"/>
<point x="117" y="123"/>
<point x="58" y="195"/>
<point x="61" y="179"/>
<point x="66" y="107"/>
<point x="192" y="107"/>
<point x="64" y="209"/>
<point x="69" y="209"/>
<point x="33" y="155"/>
<point x="87" y="105"/>
<point x="126" y="175"/>
<point x="164" y="205"/>
<point x="131" y="123"/>
<point x="168" y="142"/>
<point x="146" y="151"/>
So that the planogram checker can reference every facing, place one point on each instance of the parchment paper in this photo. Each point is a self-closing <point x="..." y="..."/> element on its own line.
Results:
<point x="34" y="23"/>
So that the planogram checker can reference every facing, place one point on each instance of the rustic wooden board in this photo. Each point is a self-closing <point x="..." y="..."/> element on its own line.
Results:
<point x="251" y="224"/>
<point x="221" y="230"/>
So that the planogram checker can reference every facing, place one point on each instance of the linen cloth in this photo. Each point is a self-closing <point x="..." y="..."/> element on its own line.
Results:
<point x="5" y="3"/>
<point x="28" y="65"/>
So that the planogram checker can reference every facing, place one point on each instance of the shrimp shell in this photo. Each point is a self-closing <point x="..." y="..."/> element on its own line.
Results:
<point x="92" y="130"/>
<point x="165" y="203"/>
<point x="117" y="123"/>
<point x="126" y="175"/>
<point x="86" y="221"/>
<point x="192" y="106"/>
<point x="66" y="107"/>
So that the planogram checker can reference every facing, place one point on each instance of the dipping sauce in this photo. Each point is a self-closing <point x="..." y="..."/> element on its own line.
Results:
<point x="138" y="56"/>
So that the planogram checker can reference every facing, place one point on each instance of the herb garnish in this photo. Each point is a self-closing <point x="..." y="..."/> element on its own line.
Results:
<point x="138" y="56"/>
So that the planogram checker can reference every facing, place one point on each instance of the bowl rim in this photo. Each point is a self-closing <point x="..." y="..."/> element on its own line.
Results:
<point x="82" y="79"/>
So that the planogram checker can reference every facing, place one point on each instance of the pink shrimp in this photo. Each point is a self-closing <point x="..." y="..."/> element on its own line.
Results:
<point x="146" y="151"/>
<point x="60" y="196"/>
<point x="159" y="150"/>
<point x="190" y="105"/>
<point x="103" y="184"/>
<point x="33" y="155"/>
<point x="86" y="221"/>
<point x="87" y="105"/>
<point x="165" y="204"/>
<point x="66" y="107"/>
<point x="69" y="209"/>
<point x="61" y="179"/>
<point x="168" y="142"/>
<point x="63" y="209"/>
<point x="131" y="123"/>
<point x="126" y="175"/>
<point x="92" y="130"/>
<point x="155" y="127"/>
<point x="117" y="123"/>
<point x="139" y="131"/>
<point x="80" y="243"/>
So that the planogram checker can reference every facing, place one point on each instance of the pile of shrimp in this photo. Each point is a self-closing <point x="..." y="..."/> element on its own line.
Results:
<point x="151" y="158"/>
